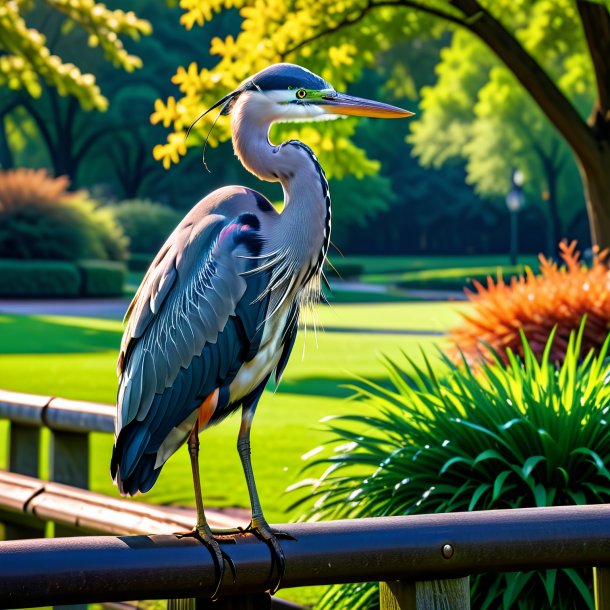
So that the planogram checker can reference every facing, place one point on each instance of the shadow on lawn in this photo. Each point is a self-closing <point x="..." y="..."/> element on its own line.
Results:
<point x="42" y="335"/>
<point x="334" y="387"/>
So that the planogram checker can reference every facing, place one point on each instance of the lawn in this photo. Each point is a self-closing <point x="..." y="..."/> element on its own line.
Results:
<point x="452" y="273"/>
<point x="402" y="264"/>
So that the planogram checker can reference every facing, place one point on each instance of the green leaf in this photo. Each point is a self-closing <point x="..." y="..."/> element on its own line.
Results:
<point x="549" y="578"/>
<point x="490" y="454"/>
<point x="476" y="496"/>
<point x="540" y="495"/>
<point x="499" y="485"/>
<point x="531" y="463"/>
<point x="455" y="460"/>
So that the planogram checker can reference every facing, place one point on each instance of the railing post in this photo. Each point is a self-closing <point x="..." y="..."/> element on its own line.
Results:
<point x="69" y="458"/>
<point x="24" y="449"/>
<point x="23" y="458"/>
<point x="601" y="588"/>
<point x="69" y="464"/>
<point x="449" y="594"/>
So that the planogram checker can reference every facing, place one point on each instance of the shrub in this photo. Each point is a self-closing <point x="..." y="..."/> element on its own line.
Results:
<point x="147" y="224"/>
<point x="40" y="219"/>
<point x="101" y="278"/>
<point x="344" y="270"/>
<point x="532" y="433"/>
<point x="38" y="279"/>
<point x="139" y="262"/>
<point x="557" y="298"/>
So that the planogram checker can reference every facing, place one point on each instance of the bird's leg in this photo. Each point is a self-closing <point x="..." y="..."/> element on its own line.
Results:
<point x="202" y="529"/>
<point x="259" y="525"/>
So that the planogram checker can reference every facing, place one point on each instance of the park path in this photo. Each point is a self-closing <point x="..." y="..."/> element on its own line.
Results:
<point x="424" y="295"/>
<point x="114" y="309"/>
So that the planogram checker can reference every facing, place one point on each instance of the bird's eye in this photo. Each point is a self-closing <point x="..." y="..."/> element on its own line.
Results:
<point x="301" y="93"/>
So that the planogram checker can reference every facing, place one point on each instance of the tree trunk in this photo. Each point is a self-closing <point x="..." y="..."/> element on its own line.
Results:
<point x="556" y="232"/>
<point x="596" y="180"/>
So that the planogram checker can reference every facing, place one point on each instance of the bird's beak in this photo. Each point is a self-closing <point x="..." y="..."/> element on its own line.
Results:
<point x="341" y="103"/>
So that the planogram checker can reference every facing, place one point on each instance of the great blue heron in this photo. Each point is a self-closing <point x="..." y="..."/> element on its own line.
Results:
<point x="216" y="314"/>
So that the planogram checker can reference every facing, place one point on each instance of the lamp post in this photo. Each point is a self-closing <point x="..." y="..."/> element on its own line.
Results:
<point x="515" y="199"/>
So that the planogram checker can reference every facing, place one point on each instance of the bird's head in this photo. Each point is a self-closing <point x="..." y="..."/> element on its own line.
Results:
<point x="287" y="92"/>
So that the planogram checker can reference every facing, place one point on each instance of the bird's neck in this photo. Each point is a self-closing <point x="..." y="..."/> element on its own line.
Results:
<point x="306" y="216"/>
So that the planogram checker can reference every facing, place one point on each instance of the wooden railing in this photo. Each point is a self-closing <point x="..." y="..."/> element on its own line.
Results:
<point x="422" y="561"/>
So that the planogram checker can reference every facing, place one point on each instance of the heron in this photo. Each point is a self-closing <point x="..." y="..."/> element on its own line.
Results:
<point x="217" y="312"/>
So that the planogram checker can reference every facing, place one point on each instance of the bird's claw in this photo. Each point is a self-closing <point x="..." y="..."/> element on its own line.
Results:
<point x="260" y="528"/>
<point x="204" y="535"/>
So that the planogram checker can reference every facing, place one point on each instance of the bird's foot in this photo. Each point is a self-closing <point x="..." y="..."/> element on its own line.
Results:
<point x="204" y="534"/>
<point x="260" y="528"/>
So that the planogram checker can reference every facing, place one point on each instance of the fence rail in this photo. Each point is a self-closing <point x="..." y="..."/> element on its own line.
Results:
<point x="95" y="569"/>
<point x="56" y="413"/>
<point x="28" y="499"/>
<point x="422" y="561"/>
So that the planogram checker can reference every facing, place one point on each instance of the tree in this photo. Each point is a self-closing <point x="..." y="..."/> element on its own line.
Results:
<point x="549" y="47"/>
<point x="25" y="56"/>
<point x="496" y="128"/>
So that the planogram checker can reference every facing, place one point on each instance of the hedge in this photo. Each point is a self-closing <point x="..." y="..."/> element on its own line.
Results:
<point x="344" y="270"/>
<point x="101" y="278"/>
<point x="20" y="278"/>
<point x="36" y="278"/>
<point x="139" y="261"/>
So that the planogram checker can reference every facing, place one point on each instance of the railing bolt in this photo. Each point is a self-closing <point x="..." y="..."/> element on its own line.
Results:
<point x="447" y="551"/>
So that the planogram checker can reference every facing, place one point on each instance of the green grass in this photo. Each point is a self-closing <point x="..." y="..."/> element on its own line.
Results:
<point x="340" y="296"/>
<point x="414" y="316"/>
<point x="401" y="264"/>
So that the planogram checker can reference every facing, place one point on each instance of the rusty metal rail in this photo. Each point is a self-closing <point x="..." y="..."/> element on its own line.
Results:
<point x="91" y="512"/>
<point x="419" y="547"/>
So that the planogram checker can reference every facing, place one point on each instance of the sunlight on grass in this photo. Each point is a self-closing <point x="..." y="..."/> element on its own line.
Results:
<point x="396" y="316"/>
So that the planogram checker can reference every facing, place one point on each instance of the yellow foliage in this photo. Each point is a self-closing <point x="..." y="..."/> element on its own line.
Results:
<point x="274" y="31"/>
<point x="26" y="58"/>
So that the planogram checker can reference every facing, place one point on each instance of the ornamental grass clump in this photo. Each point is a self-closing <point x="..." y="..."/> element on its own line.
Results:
<point x="559" y="297"/>
<point x="530" y="433"/>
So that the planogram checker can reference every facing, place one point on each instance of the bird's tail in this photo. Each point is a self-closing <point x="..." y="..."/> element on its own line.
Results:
<point x="133" y="468"/>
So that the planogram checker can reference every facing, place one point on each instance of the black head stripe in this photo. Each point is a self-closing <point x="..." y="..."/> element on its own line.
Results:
<point x="285" y="76"/>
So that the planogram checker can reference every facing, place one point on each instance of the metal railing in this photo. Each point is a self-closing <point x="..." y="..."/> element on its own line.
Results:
<point x="414" y="548"/>
<point x="423" y="561"/>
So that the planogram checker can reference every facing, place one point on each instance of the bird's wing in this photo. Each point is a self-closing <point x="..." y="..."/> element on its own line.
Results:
<point x="192" y="322"/>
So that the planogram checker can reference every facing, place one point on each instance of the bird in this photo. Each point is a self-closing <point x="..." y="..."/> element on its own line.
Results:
<point x="217" y="312"/>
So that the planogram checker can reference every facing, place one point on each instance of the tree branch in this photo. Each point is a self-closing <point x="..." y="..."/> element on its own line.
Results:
<point x="98" y="134"/>
<point x="530" y="74"/>
<point x="596" y="24"/>
<point x="366" y="9"/>
<point x="42" y="127"/>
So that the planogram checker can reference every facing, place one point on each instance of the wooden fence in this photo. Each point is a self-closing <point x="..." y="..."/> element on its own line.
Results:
<point x="422" y="561"/>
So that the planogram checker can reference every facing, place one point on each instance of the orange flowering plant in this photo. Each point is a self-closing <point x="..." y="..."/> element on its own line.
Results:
<point x="557" y="298"/>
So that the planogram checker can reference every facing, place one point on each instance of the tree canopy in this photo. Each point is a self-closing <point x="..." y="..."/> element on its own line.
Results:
<point x="477" y="111"/>
<point x="553" y="49"/>
<point x="26" y="59"/>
